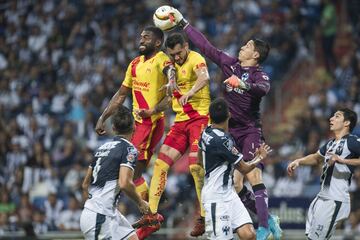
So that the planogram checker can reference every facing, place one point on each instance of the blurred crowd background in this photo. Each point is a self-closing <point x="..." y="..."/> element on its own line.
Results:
<point x="62" y="60"/>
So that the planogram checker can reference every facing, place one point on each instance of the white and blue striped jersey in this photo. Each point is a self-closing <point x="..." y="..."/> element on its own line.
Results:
<point x="104" y="189"/>
<point x="219" y="157"/>
<point x="335" y="179"/>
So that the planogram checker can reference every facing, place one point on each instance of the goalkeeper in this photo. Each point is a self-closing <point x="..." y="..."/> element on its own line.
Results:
<point x="246" y="85"/>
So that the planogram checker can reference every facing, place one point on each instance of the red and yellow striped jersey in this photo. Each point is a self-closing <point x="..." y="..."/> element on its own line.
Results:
<point x="146" y="77"/>
<point x="186" y="77"/>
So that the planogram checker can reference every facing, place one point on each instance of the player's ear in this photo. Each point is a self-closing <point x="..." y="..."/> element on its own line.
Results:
<point x="186" y="46"/>
<point x="347" y="123"/>
<point x="158" y="43"/>
<point x="256" y="55"/>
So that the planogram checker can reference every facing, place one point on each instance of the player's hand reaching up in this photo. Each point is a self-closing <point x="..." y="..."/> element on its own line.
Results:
<point x="263" y="151"/>
<point x="144" y="207"/>
<point x="292" y="166"/>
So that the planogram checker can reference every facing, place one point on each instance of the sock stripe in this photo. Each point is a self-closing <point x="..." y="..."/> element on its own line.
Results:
<point x="166" y="159"/>
<point x="139" y="181"/>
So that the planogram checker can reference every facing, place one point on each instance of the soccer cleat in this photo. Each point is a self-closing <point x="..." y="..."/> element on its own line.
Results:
<point x="148" y="220"/>
<point x="274" y="225"/>
<point x="144" y="232"/>
<point x="262" y="233"/>
<point x="199" y="227"/>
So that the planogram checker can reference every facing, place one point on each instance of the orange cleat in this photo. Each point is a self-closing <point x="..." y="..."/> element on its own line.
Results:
<point x="146" y="231"/>
<point x="148" y="220"/>
<point x="199" y="227"/>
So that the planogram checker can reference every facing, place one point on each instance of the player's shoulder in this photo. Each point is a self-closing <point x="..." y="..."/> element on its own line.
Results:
<point x="259" y="73"/>
<point x="135" y="60"/>
<point x="195" y="56"/>
<point x="353" y="139"/>
<point x="163" y="59"/>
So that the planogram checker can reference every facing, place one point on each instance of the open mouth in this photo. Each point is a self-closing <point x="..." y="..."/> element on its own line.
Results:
<point x="142" y="47"/>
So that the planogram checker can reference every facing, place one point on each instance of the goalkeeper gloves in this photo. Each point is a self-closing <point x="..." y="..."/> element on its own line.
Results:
<point x="236" y="82"/>
<point x="178" y="18"/>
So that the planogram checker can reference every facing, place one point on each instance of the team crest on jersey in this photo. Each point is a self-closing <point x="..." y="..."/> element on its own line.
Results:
<point x="245" y="76"/>
<point x="226" y="230"/>
<point x="132" y="153"/>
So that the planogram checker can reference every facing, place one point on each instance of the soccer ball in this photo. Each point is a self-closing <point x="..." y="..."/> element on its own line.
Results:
<point x="163" y="18"/>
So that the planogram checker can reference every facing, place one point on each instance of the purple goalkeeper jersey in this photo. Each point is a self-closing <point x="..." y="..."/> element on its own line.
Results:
<point x="244" y="104"/>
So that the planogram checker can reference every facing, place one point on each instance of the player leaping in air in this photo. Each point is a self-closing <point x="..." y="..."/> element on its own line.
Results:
<point x="246" y="84"/>
<point x="145" y="75"/>
<point x="191" y="104"/>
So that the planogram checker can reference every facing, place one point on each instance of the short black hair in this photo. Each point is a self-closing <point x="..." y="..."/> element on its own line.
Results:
<point x="349" y="115"/>
<point x="123" y="120"/>
<point x="219" y="110"/>
<point x="174" y="39"/>
<point x="158" y="33"/>
<point x="262" y="48"/>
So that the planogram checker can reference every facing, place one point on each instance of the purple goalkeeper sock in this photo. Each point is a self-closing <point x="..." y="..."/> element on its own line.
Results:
<point x="261" y="200"/>
<point x="248" y="199"/>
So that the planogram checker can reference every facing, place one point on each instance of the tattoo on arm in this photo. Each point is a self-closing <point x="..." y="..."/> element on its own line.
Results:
<point x="163" y="104"/>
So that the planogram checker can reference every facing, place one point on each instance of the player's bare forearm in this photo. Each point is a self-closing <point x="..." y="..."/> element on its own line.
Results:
<point x="202" y="79"/>
<point x="312" y="159"/>
<point x="244" y="167"/>
<point x="127" y="185"/>
<point x="86" y="183"/>
<point x="164" y="104"/>
<point x="116" y="101"/>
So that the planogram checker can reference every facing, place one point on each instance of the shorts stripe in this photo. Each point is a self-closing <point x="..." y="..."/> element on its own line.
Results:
<point x="213" y="216"/>
<point x="148" y="141"/>
<point x="336" y="212"/>
<point x="125" y="237"/>
<point x="100" y="219"/>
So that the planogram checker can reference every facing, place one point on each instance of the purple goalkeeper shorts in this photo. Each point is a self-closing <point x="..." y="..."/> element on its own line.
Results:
<point x="247" y="141"/>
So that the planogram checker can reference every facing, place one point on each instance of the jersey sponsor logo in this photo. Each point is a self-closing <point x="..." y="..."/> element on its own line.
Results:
<point x="109" y="145"/>
<point x="225" y="218"/>
<point x="102" y="154"/>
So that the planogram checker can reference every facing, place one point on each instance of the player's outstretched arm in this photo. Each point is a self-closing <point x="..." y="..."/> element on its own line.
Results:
<point x="116" y="101"/>
<point x="260" y="154"/>
<point x="126" y="185"/>
<point x="201" y="81"/>
<point x="312" y="159"/>
<point x="200" y="41"/>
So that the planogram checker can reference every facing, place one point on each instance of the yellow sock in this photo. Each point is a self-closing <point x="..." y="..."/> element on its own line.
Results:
<point x="142" y="188"/>
<point x="158" y="183"/>
<point x="198" y="173"/>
